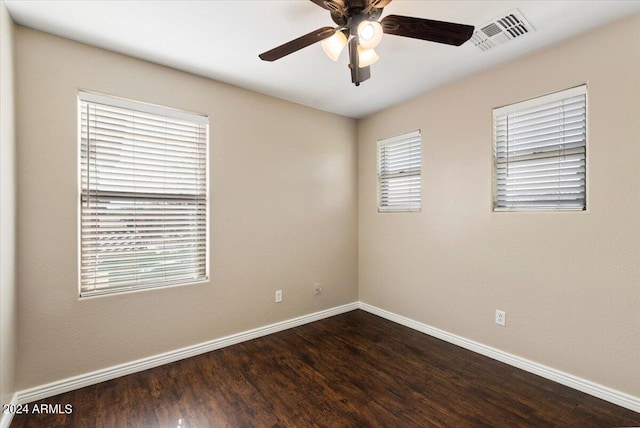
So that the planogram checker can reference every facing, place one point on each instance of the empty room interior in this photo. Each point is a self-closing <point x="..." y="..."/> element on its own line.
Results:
<point x="320" y="213"/>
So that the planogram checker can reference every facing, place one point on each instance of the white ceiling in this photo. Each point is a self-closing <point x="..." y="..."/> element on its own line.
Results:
<point x="222" y="40"/>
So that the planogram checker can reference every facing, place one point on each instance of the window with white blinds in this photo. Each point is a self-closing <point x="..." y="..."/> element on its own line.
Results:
<point x="399" y="173"/>
<point x="143" y="199"/>
<point x="540" y="153"/>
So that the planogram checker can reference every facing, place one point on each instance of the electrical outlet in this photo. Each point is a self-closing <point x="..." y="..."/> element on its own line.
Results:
<point x="278" y="296"/>
<point x="317" y="289"/>
<point x="501" y="317"/>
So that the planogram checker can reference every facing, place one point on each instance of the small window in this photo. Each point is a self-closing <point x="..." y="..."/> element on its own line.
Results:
<point x="143" y="195"/>
<point x="399" y="173"/>
<point x="540" y="153"/>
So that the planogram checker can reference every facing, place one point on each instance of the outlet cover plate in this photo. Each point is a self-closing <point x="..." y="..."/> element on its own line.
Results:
<point x="501" y="317"/>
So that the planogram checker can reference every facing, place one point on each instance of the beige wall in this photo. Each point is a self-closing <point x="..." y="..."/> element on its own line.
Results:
<point x="8" y="299"/>
<point x="569" y="282"/>
<point x="283" y="214"/>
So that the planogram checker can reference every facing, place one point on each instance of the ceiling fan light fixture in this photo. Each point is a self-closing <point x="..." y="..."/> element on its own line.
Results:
<point x="369" y="34"/>
<point x="366" y="57"/>
<point x="333" y="45"/>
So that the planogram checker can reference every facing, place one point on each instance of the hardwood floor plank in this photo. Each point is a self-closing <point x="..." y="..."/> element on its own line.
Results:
<point x="351" y="370"/>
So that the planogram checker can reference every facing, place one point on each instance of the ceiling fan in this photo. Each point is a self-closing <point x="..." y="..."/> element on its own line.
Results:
<point x="358" y="27"/>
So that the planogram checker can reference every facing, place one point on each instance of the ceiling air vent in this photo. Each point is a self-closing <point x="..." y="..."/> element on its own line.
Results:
<point x="500" y="30"/>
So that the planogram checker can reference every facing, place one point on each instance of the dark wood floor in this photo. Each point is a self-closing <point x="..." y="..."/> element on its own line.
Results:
<point x="352" y="370"/>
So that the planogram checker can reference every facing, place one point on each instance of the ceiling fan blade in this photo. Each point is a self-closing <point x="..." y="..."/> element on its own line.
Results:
<point x="427" y="29"/>
<point x="297" y="44"/>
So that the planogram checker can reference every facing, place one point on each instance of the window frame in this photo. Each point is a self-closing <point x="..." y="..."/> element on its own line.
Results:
<point x="398" y="140"/>
<point x="565" y="94"/>
<point x="84" y="96"/>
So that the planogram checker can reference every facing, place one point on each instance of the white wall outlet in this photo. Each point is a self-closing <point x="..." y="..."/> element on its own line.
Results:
<point x="317" y="289"/>
<point x="278" y="296"/>
<point x="501" y="317"/>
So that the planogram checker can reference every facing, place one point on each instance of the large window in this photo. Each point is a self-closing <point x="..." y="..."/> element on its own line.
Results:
<point x="143" y="195"/>
<point x="399" y="173"/>
<point x="540" y="153"/>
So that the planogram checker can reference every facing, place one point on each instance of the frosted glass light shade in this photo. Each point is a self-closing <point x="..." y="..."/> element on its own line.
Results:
<point x="366" y="57"/>
<point x="333" y="45"/>
<point x="369" y="34"/>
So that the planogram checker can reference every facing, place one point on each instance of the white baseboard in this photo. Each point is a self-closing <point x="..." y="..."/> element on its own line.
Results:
<point x="87" y="379"/>
<point x="6" y="418"/>
<point x="621" y="399"/>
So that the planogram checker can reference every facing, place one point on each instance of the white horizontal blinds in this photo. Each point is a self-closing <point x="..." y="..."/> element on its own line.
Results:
<point x="143" y="196"/>
<point x="540" y="153"/>
<point x="399" y="173"/>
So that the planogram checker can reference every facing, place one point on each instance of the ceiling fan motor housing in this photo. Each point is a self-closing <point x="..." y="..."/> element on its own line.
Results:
<point x="355" y="11"/>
